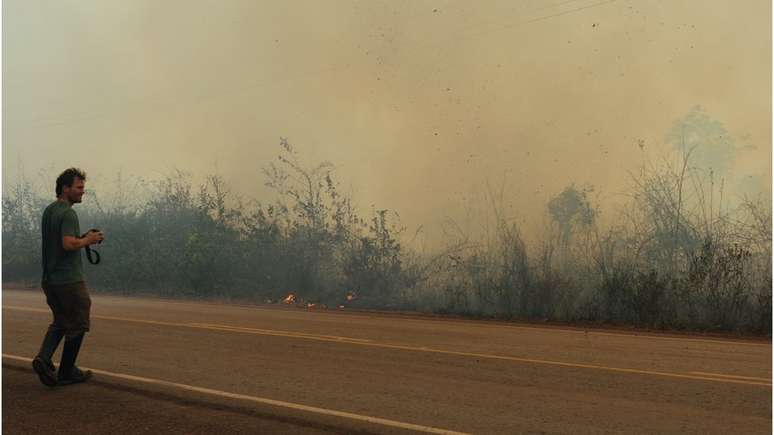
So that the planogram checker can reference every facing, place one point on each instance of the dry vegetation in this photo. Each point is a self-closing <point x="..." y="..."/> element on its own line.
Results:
<point x="676" y="259"/>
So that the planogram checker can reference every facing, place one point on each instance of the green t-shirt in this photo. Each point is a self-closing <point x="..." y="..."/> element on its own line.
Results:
<point x="60" y="266"/>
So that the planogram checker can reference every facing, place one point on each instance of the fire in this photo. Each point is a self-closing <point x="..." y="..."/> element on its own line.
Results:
<point x="350" y="295"/>
<point x="291" y="299"/>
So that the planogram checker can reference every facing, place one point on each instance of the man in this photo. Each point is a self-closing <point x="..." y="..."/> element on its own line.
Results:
<point x="63" y="284"/>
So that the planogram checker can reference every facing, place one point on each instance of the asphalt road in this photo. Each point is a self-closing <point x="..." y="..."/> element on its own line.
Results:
<point x="183" y="367"/>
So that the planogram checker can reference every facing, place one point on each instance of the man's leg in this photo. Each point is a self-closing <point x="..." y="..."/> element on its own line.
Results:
<point x="79" y="307"/>
<point x="51" y="341"/>
<point x="68" y="372"/>
<point x="42" y="363"/>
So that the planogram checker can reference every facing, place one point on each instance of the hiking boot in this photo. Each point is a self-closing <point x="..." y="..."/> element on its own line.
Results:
<point x="76" y="376"/>
<point x="45" y="371"/>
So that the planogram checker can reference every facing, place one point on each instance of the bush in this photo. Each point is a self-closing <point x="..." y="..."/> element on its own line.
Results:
<point x="668" y="262"/>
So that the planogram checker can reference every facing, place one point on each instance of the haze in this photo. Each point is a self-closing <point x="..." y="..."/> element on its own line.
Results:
<point x="418" y="104"/>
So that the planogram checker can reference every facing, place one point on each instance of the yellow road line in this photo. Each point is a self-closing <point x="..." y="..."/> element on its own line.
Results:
<point x="733" y="376"/>
<point x="347" y="340"/>
<point x="361" y="315"/>
<point x="18" y="308"/>
<point x="210" y="326"/>
<point x="263" y="400"/>
<point x="702" y="340"/>
<point x="275" y="332"/>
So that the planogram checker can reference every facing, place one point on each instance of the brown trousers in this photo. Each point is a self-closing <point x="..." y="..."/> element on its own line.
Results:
<point x="71" y="306"/>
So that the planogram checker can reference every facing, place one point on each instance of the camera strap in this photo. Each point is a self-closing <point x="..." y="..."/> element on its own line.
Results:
<point x="91" y="259"/>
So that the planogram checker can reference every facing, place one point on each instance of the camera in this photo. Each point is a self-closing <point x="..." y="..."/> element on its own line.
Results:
<point x="97" y="230"/>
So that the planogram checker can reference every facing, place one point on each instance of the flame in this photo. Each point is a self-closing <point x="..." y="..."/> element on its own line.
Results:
<point x="290" y="299"/>
<point x="350" y="296"/>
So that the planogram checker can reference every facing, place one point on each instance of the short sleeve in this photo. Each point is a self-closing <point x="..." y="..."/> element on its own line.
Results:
<point x="70" y="225"/>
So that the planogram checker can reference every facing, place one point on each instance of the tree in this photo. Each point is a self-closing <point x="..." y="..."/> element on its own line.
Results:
<point x="712" y="145"/>
<point x="571" y="211"/>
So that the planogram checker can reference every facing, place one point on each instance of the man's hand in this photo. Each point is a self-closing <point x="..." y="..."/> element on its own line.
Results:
<point x="94" y="237"/>
<point x="70" y="243"/>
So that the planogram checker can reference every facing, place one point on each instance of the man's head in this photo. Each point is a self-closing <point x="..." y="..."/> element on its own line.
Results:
<point x="70" y="185"/>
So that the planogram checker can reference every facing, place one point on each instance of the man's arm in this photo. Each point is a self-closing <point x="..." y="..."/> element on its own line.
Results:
<point x="70" y="243"/>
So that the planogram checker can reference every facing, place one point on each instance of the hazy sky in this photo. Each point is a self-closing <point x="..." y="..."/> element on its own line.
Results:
<point x="417" y="103"/>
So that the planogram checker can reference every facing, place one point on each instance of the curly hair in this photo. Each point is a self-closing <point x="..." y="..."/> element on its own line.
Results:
<point x="67" y="178"/>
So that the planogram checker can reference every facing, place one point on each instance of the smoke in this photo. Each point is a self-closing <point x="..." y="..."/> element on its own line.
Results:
<point x="420" y="106"/>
